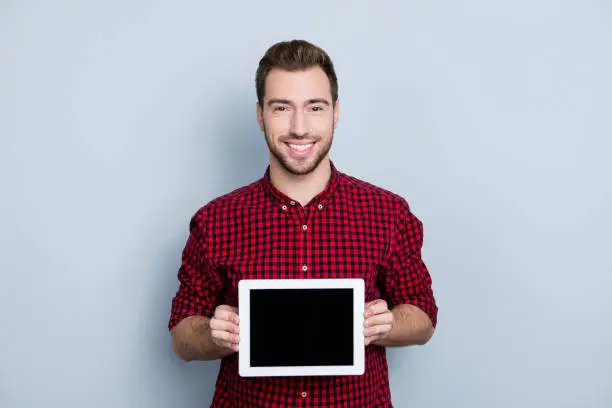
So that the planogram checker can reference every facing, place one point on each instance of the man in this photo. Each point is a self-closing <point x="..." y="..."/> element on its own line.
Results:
<point x="303" y="219"/>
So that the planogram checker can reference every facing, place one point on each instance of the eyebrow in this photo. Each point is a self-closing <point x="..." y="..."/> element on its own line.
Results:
<point x="288" y="102"/>
<point x="318" y="100"/>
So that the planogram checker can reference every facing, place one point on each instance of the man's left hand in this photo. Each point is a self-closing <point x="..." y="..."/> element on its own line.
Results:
<point x="378" y="321"/>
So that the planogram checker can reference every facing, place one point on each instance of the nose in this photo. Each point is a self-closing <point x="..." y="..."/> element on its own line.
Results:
<point x="299" y="123"/>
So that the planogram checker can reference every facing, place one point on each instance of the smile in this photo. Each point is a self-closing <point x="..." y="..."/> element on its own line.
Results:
<point x="300" y="147"/>
<point x="300" y="150"/>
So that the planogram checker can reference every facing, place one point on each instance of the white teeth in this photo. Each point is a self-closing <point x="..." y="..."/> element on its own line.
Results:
<point x="301" y="147"/>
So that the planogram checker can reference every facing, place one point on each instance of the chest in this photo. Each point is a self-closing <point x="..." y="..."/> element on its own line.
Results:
<point x="303" y="243"/>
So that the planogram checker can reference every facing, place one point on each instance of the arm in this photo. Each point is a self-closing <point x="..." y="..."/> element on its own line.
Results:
<point x="192" y="340"/>
<point x="407" y="312"/>
<point x="411" y="326"/>
<point x="193" y="309"/>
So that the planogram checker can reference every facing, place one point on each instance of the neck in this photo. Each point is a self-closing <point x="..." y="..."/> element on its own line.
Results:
<point x="301" y="188"/>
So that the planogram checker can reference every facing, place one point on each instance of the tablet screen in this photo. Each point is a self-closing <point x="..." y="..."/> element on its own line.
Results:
<point x="301" y="327"/>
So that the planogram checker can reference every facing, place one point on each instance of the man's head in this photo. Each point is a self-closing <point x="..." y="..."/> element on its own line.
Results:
<point x="297" y="108"/>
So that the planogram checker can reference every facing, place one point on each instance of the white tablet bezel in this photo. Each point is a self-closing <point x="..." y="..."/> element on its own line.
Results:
<point x="244" y="288"/>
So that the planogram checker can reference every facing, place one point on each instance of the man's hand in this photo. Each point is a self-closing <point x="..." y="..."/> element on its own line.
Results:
<point x="224" y="327"/>
<point x="378" y="321"/>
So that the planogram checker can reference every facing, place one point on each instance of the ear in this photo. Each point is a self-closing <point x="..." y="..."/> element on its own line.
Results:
<point x="336" y="113"/>
<point x="260" y="116"/>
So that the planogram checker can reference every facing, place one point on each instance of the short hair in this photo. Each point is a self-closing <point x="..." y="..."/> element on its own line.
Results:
<point x="294" y="55"/>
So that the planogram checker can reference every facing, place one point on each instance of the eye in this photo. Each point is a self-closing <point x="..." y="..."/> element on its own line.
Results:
<point x="317" y="108"/>
<point x="280" y="108"/>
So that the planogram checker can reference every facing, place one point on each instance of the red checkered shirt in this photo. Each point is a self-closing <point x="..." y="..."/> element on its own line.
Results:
<point x="352" y="229"/>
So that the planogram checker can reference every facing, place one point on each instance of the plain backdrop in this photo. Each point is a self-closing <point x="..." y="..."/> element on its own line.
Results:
<point x="119" y="119"/>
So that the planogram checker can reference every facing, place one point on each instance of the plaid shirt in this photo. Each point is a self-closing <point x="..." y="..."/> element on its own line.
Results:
<point x="350" y="230"/>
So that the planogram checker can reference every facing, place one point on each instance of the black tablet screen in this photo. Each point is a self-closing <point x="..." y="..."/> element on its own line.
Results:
<point x="301" y="327"/>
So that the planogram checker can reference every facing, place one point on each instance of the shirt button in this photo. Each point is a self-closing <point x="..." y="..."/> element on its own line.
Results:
<point x="284" y="207"/>
<point x="304" y="227"/>
<point x="292" y="203"/>
<point x="304" y="268"/>
<point x="320" y="206"/>
<point x="304" y="394"/>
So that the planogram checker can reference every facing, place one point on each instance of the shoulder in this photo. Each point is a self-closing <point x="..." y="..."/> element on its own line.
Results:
<point x="368" y="193"/>
<point x="386" y="205"/>
<point x="227" y="203"/>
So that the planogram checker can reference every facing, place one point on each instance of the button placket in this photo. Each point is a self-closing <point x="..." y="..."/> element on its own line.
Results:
<point x="305" y="218"/>
<point x="301" y="391"/>
<point x="309" y="215"/>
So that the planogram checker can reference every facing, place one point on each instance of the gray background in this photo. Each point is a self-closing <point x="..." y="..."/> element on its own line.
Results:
<point x="119" y="119"/>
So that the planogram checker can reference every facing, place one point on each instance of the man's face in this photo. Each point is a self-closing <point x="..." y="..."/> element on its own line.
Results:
<point x="298" y="118"/>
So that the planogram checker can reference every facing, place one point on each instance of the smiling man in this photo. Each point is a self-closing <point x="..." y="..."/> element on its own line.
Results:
<point x="303" y="219"/>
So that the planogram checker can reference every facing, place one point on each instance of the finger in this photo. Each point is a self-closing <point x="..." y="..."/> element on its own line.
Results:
<point x="372" y="339"/>
<point x="382" y="333"/>
<point x="376" y="307"/>
<point x="369" y="304"/>
<point x="375" y="303"/>
<point x="225" y="312"/>
<point x="228" y="313"/>
<point x="228" y="308"/>
<point x="218" y="324"/>
<point x="370" y="331"/>
<point x="225" y="336"/>
<point x="383" y="318"/>
<point x="379" y="330"/>
<point x="228" y="345"/>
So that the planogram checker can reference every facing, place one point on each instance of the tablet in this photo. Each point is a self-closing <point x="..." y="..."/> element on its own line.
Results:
<point x="301" y="327"/>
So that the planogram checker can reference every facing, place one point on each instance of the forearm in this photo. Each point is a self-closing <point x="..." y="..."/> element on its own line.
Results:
<point x="192" y="340"/>
<point x="411" y="326"/>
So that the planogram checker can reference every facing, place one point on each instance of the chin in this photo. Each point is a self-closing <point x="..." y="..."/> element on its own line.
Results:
<point x="300" y="168"/>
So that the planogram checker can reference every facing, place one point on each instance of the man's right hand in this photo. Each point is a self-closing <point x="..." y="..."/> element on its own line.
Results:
<point x="224" y="327"/>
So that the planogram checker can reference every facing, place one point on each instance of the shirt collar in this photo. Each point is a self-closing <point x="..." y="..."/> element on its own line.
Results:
<point x="319" y="200"/>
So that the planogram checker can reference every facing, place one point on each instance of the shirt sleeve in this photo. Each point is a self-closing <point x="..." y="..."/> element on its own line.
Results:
<point x="199" y="282"/>
<point x="405" y="279"/>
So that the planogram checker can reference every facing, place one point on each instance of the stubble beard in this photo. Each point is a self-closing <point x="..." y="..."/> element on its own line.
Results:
<point x="299" y="167"/>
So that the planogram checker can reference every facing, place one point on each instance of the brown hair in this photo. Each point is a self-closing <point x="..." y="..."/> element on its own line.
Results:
<point x="294" y="55"/>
